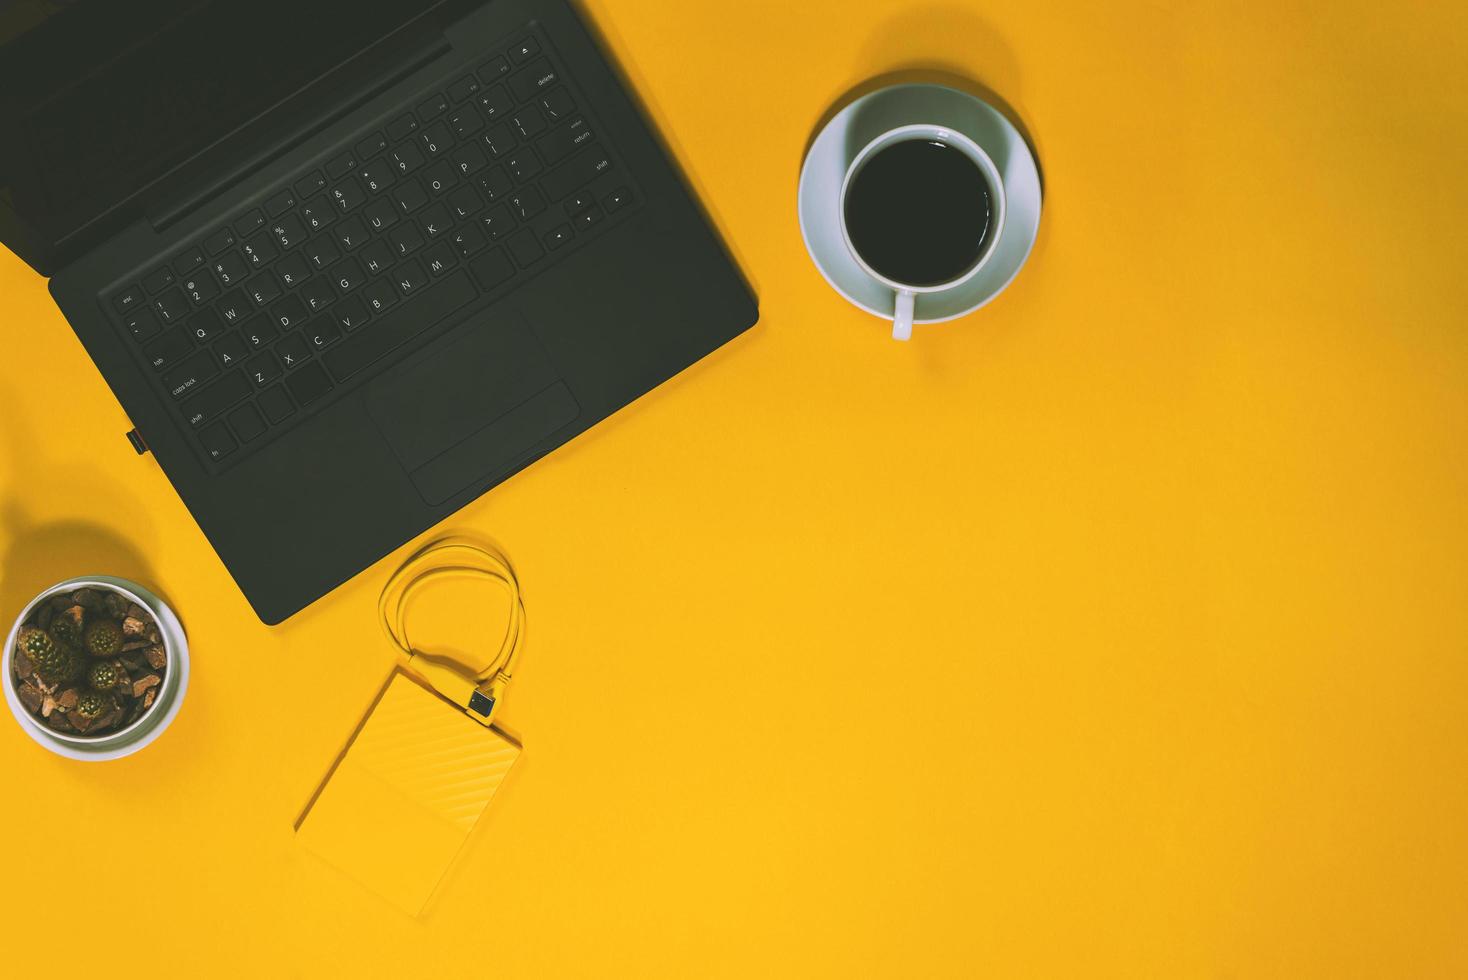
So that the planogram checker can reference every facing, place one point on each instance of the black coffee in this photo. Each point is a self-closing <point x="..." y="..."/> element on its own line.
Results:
<point x="918" y="212"/>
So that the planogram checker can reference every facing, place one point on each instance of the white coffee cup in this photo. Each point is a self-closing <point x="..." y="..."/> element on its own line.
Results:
<point x="907" y="293"/>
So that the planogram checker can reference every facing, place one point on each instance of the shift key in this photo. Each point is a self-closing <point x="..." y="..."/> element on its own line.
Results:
<point x="578" y="171"/>
<point x="216" y="398"/>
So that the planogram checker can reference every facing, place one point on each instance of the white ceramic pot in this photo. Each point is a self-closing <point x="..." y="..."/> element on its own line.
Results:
<point x="151" y="724"/>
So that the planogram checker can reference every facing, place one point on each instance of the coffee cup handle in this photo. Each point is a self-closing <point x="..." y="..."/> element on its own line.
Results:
<point x="902" y="315"/>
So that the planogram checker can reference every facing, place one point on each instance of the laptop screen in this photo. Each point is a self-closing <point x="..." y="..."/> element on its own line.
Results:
<point x="99" y="98"/>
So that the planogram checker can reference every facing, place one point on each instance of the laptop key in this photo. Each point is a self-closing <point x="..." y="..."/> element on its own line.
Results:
<point x="219" y="241"/>
<point x="529" y="122"/>
<point x="465" y="201"/>
<point x="492" y="268"/>
<point x="410" y="278"/>
<point x="169" y="349"/>
<point x="467" y="240"/>
<point x="617" y="199"/>
<point x="588" y="219"/>
<point x="217" y="441"/>
<point x="341" y="166"/>
<point x="536" y="77"/>
<point x="494" y="68"/>
<point x="469" y="159"/>
<point x="523" y="165"/>
<point x="289" y="231"/>
<point x="288" y="313"/>
<point x="466" y="121"/>
<point x="439" y="259"/>
<point x="190" y="259"/>
<point x="128" y="299"/>
<point x="293" y="351"/>
<point x="433" y="107"/>
<point x="497" y="222"/>
<point x="436" y="221"/>
<point x="206" y="325"/>
<point x="377" y="256"/>
<point x="499" y="140"/>
<point x="308" y="384"/>
<point x="527" y="203"/>
<point x="558" y="104"/>
<point x="435" y="139"/>
<point x="142" y="324"/>
<point x="171" y="306"/>
<point x="318" y="212"/>
<point x="294" y="269"/>
<point x="280" y="203"/>
<point x="352" y="233"/>
<point x="377" y="175"/>
<point x="323" y="332"/>
<point x="380" y="295"/>
<point x="191" y="374"/>
<point x="348" y="195"/>
<point x="230" y="268"/>
<point x="263" y="289"/>
<point x="276" y="405"/>
<point x="230" y="349"/>
<point x="558" y="236"/>
<point x="216" y="399"/>
<point x="579" y="202"/>
<point x="322" y="251"/>
<point x="440" y="177"/>
<point x="246" y="423"/>
<point x="350" y="313"/>
<point x="371" y="146"/>
<point x="348" y="276"/>
<point x="252" y="222"/>
<point x="429" y="306"/>
<point x="406" y="158"/>
<point x="260" y="250"/>
<point x="463" y="88"/>
<point x="380" y="214"/>
<point x="525" y="248"/>
<point x="402" y="127"/>
<point x="526" y="49"/>
<point x="558" y="144"/>
<point x="312" y="183"/>
<point x="405" y="239"/>
<point x="200" y="287"/>
<point x="159" y="279"/>
<point x="495" y="103"/>
<point x="576" y="173"/>
<point x="258" y="332"/>
<point x="318" y="294"/>
<point x="233" y="306"/>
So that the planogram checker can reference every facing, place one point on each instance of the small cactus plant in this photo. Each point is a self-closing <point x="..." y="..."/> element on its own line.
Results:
<point x="104" y="638"/>
<point x="105" y="675"/>
<point x="92" y="705"/>
<point x="52" y="662"/>
<point x="67" y="626"/>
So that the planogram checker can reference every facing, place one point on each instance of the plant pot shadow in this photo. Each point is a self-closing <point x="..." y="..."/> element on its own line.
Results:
<point x="39" y="557"/>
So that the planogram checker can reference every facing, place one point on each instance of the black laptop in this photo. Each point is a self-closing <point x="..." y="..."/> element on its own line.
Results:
<point x="348" y="265"/>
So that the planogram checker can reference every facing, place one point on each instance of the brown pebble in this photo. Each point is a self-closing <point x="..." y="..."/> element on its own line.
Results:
<point x="143" y="683"/>
<point x="23" y="668"/>
<point x="136" y="611"/>
<point x="149" y="698"/>
<point x="88" y="599"/>
<point x="133" y="627"/>
<point x="48" y="706"/>
<point x="157" y="659"/>
<point x="31" y="697"/>
<point x="67" y="698"/>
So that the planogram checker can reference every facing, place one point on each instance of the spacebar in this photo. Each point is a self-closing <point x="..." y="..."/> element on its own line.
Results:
<point x="400" y="326"/>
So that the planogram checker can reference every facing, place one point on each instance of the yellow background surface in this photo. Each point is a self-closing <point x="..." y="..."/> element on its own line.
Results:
<point x="1115" y="631"/>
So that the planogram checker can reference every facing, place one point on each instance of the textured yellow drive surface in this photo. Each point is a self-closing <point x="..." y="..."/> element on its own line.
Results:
<point x="406" y="793"/>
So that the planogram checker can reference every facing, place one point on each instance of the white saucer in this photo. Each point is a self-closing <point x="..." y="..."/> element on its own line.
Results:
<point x="869" y="117"/>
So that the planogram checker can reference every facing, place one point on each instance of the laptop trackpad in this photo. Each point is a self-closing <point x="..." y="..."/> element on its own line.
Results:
<point x="475" y="411"/>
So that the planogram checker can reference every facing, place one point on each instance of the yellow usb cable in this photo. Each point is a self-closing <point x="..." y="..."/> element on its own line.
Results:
<point x="455" y="558"/>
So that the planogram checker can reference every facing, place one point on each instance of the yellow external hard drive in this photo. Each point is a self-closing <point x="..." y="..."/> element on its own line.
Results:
<point x="405" y="794"/>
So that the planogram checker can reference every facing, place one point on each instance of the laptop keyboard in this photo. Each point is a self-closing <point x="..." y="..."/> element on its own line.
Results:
<point x="468" y="190"/>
